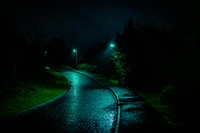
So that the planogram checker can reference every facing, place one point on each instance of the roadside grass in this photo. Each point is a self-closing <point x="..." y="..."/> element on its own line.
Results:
<point x="113" y="81"/>
<point x="29" y="93"/>
<point x="171" y="117"/>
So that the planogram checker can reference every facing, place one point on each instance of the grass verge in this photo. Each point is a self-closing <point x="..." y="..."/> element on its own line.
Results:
<point x="171" y="117"/>
<point x="29" y="93"/>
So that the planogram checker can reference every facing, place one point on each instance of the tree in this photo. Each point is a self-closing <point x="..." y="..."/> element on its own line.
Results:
<point x="34" y="51"/>
<point x="119" y="60"/>
<point x="147" y="48"/>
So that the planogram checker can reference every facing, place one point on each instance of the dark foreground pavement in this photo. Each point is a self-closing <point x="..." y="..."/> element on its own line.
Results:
<point x="91" y="106"/>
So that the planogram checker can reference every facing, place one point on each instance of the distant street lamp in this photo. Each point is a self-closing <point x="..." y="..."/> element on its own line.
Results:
<point x="112" y="45"/>
<point x="45" y="53"/>
<point x="75" y="51"/>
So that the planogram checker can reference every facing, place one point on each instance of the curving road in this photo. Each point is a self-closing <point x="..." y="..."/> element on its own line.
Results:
<point x="89" y="107"/>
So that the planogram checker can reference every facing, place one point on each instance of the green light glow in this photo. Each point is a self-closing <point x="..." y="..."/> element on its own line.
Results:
<point x="74" y="50"/>
<point x="112" y="45"/>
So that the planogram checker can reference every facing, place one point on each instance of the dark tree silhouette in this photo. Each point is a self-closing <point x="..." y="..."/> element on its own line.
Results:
<point x="151" y="51"/>
<point x="20" y="55"/>
<point x="33" y="52"/>
<point x="12" y="44"/>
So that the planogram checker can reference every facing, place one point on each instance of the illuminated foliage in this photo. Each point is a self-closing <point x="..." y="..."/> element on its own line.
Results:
<point x="119" y="60"/>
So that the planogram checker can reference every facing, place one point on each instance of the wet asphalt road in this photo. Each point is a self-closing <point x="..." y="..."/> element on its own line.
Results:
<point x="90" y="108"/>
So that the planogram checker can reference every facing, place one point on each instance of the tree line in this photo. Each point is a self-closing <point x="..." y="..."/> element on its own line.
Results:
<point x="26" y="51"/>
<point x="149" y="56"/>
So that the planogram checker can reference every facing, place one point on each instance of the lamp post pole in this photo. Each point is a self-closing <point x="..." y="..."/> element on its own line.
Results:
<point x="75" y="51"/>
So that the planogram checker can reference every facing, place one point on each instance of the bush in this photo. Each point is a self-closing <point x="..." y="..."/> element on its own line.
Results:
<point x="89" y="68"/>
<point x="82" y="66"/>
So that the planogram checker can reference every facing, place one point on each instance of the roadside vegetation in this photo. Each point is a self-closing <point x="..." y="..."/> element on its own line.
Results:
<point x="153" y="98"/>
<point x="32" y="92"/>
<point x="162" y="66"/>
<point x="89" y="68"/>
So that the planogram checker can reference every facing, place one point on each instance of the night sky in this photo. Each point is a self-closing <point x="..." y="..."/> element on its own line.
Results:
<point x="84" y="22"/>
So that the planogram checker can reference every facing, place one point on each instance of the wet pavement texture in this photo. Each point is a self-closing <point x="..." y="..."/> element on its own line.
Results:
<point x="92" y="105"/>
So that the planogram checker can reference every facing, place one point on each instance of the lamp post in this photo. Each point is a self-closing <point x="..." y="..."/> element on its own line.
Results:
<point x="75" y="51"/>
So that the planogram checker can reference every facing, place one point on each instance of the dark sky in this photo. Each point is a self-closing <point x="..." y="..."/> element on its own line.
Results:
<point x="80" y="22"/>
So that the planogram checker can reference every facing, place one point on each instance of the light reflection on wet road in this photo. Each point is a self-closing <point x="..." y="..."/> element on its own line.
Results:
<point x="92" y="109"/>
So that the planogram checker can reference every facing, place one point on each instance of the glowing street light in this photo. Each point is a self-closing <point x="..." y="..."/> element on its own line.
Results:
<point x="75" y="51"/>
<point x="112" y="45"/>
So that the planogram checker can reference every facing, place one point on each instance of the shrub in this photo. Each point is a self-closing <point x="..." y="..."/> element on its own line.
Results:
<point x="89" y="68"/>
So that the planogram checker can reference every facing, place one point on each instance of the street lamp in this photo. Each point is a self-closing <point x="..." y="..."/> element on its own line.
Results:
<point x="75" y="51"/>
<point x="112" y="45"/>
